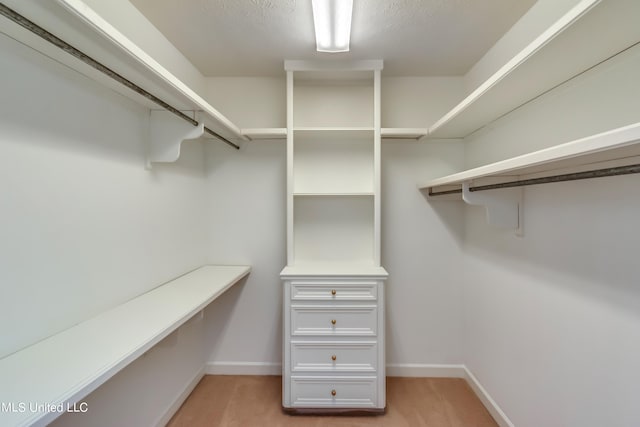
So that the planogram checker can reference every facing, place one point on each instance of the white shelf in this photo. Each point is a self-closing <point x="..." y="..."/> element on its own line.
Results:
<point x="333" y="270"/>
<point x="337" y="194"/>
<point x="333" y="132"/>
<point x="254" y="134"/>
<point x="77" y="24"/>
<point x="588" y="34"/>
<point x="403" y="133"/>
<point x="64" y="368"/>
<point x="617" y="145"/>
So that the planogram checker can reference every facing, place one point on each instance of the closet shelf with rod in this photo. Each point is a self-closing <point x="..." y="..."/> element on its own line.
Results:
<point x="85" y="42"/>
<point x="610" y="153"/>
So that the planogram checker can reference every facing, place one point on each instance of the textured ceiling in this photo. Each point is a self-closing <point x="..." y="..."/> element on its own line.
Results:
<point x="254" y="37"/>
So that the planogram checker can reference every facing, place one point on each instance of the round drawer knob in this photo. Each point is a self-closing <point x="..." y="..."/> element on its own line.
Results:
<point x="333" y="321"/>
<point x="333" y="357"/>
<point x="333" y="291"/>
<point x="333" y="392"/>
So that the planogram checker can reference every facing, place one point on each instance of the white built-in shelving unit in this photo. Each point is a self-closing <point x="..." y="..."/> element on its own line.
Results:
<point x="334" y="163"/>
<point x="59" y="371"/>
<point x="333" y="356"/>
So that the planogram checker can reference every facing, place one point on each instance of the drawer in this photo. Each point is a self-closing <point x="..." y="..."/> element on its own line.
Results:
<point x="333" y="392"/>
<point x="344" y="320"/>
<point x="334" y="291"/>
<point x="336" y="357"/>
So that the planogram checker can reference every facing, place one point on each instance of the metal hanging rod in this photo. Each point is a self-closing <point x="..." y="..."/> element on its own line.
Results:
<point x="56" y="41"/>
<point x="445" y="192"/>
<point x="599" y="173"/>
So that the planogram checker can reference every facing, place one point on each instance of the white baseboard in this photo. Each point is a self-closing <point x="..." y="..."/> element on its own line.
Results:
<point x="179" y="400"/>
<point x="496" y="412"/>
<point x="243" y="368"/>
<point x="425" y="370"/>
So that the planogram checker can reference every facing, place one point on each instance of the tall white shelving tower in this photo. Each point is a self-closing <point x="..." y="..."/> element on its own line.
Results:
<point x="333" y="356"/>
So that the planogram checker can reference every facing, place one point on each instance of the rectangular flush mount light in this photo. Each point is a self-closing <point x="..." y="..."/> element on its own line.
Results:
<point x="332" y="20"/>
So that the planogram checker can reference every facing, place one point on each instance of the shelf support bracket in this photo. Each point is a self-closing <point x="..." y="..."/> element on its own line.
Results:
<point x="166" y="134"/>
<point x="504" y="207"/>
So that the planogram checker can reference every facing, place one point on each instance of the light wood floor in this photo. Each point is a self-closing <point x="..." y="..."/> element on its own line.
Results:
<point x="247" y="401"/>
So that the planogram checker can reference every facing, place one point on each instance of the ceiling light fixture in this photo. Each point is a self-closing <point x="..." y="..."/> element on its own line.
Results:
<point x="332" y="21"/>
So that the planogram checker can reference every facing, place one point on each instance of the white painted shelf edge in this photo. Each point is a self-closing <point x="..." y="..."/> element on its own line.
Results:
<point x="364" y="129"/>
<point x="64" y="368"/>
<point x="583" y="147"/>
<point x="254" y="134"/>
<point x="403" y="133"/>
<point x="333" y="270"/>
<point x="102" y="27"/>
<point x="334" y="194"/>
<point x="264" y="133"/>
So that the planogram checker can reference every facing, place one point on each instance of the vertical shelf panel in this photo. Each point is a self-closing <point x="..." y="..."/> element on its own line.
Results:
<point x="334" y="229"/>
<point x="290" y="256"/>
<point x="377" y="162"/>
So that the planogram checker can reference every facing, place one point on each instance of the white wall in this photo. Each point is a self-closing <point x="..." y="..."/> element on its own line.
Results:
<point x="417" y="102"/>
<point x="421" y="250"/>
<point x="246" y="193"/>
<point x="250" y="102"/>
<point x="551" y="320"/>
<point x="83" y="225"/>
<point x="551" y="325"/>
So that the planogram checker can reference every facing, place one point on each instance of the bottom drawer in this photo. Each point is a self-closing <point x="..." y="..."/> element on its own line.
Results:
<point x="333" y="392"/>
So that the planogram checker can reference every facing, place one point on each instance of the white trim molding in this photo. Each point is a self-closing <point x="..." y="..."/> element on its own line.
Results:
<point x="424" y="370"/>
<point x="180" y="398"/>
<point x="496" y="412"/>
<point x="451" y="371"/>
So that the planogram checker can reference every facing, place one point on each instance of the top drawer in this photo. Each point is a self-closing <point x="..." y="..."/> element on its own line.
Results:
<point x="334" y="291"/>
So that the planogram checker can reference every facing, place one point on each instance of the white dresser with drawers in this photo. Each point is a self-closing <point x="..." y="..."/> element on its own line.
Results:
<point x="334" y="340"/>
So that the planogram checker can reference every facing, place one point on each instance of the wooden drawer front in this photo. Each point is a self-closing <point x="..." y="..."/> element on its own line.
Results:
<point x="359" y="320"/>
<point x="338" y="291"/>
<point x="333" y="392"/>
<point x="357" y="356"/>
